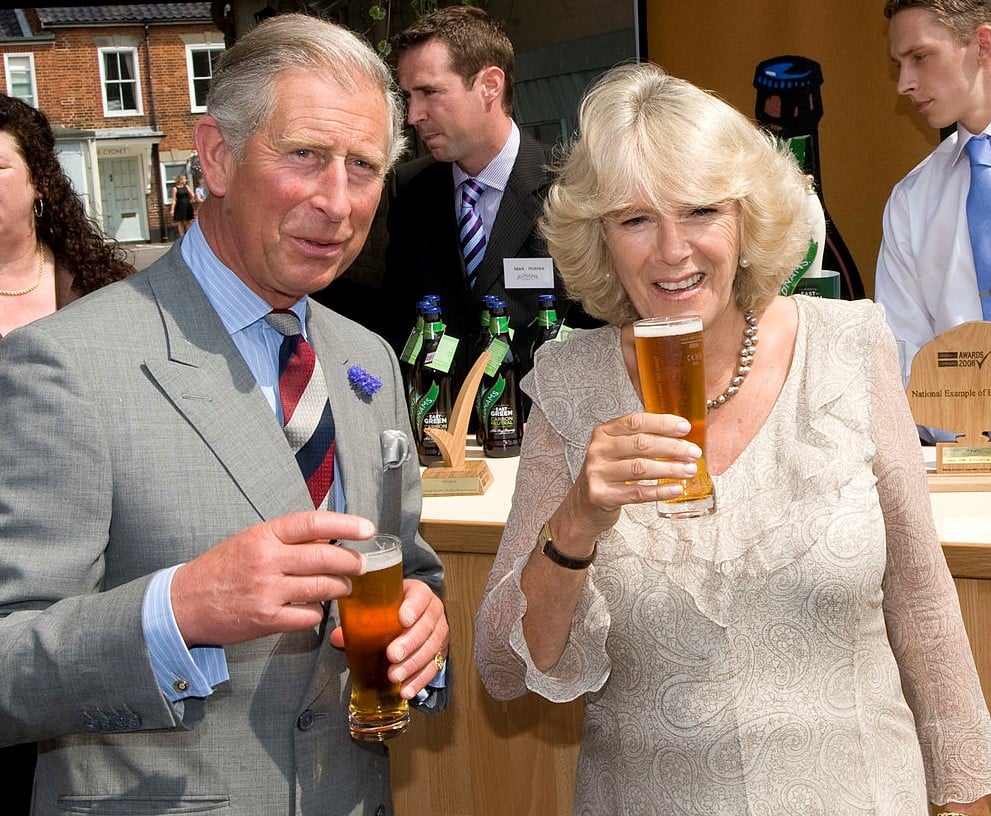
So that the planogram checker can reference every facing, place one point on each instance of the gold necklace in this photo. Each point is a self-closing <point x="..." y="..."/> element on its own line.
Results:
<point x="37" y="283"/>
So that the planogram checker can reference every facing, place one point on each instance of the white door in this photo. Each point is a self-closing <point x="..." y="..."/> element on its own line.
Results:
<point x="122" y="199"/>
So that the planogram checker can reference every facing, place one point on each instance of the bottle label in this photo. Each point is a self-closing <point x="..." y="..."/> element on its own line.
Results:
<point x="443" y="356"/>
<point x="497" y="418"/>
<point x="498" y="349"/>
<point x="798" y="145"/>
<point x="545" y="318"/>
<point x="811" y="265"/>
<point x="422" y="409"/>
<point x="826" y="285"/>
<point x="500" y="325"/>
<point x="412" y="347"/>
<point x="501" y="422"/>
<point x="788" y="287"/>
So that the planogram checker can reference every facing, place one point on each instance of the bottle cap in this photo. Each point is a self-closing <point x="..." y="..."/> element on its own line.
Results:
<point x="788" y="73"/>
<point x="789" y="100"/>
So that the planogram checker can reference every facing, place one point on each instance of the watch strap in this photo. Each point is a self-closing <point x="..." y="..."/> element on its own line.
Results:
<point x="546" y="540"/>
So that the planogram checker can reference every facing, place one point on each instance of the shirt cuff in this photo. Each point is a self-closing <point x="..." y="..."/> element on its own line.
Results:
<point x="438" y="681"/>
<point x="181" y="672"/>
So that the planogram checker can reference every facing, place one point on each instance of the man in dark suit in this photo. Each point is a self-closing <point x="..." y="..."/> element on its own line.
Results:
<point x="168" y="625"/>
<point x="455" y="67"/>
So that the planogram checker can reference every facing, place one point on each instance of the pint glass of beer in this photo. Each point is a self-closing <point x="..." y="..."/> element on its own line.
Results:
<point x="672" y="378"/>
<point x="370" y="620"/>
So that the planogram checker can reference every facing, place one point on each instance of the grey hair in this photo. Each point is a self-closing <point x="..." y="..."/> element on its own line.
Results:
<point x="242" y="92"/>
<point x="647" y="137"/>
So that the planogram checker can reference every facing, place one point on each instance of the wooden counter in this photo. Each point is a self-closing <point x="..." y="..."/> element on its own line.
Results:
<point x="483" y="758"/>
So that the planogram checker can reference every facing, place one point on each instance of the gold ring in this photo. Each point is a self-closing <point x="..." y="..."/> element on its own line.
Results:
<point x="440" y="661"/>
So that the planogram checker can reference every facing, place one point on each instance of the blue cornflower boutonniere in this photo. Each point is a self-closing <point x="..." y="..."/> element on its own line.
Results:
<point x="363" y="383"/>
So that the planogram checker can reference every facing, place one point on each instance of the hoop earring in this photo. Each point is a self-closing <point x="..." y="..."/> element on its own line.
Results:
<point x="744" y="263"/>
<point x="39" y="207"/>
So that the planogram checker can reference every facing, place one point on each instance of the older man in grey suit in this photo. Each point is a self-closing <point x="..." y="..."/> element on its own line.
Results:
<point x="168" y="631"/>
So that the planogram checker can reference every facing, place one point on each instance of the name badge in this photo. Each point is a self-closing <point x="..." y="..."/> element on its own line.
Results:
<point x="528" y="273"/>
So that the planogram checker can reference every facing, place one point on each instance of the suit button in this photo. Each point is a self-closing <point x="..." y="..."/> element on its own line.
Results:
<point x="380" y="810"/>
<point x="305" y="721"/>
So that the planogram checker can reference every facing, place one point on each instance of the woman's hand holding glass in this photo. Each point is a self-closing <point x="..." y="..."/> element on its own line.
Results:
<point x="625" y="458"/>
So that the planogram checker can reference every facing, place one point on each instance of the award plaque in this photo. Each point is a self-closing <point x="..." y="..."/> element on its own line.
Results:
<point x="950" y="388"/>
<point x="458" y="476"/>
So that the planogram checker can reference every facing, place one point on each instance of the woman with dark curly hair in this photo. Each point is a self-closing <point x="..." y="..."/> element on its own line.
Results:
<point x="50" y="252"/>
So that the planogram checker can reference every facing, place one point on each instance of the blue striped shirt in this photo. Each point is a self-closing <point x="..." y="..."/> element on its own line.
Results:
<point x="194" y="672"/>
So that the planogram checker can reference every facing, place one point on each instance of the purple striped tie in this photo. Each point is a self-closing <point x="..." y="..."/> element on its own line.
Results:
<point x="470" y="230"/>
<point x="307" y="418"/>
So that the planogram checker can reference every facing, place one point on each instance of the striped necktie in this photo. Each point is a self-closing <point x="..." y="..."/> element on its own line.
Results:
<point x="307" y="418"/>
<point x="979" y="216"/>
<point x="470" y="230"/>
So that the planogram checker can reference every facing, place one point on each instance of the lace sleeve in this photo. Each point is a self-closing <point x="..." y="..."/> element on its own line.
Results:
<point x="921" y="609"/>
<point x="501" y="654"/>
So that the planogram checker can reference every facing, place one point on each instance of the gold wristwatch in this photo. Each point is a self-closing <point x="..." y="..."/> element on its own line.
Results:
<point x="545" y="540"/>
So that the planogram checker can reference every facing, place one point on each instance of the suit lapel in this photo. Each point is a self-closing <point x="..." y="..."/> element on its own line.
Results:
<point x="208" y="382"/>
<point x="334" y="343"/>
<point x="518" y="211"/>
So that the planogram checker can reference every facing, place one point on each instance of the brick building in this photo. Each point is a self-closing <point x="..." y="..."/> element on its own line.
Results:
<point x="123" y="87"/>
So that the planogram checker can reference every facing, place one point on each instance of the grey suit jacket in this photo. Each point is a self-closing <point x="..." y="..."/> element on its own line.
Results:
<point x="135" y="438"/>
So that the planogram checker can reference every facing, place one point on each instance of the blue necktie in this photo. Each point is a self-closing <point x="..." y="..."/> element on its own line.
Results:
<point x="470" y="230"/>
<point x="979" y="216"/>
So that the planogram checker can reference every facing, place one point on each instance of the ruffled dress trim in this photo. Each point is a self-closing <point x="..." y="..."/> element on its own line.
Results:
<point x="749" y="536"/>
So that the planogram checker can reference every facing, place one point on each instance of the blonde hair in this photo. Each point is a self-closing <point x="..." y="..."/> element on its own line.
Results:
<point x="645" y="135"/>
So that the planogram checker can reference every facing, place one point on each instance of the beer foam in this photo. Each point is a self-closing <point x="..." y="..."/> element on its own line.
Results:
<point x="378" y="554"/>
<point x="662" y="327"/>
<point x="379" y="559"/>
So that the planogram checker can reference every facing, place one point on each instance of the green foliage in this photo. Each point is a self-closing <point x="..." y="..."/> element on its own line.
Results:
<point x="382" y="10"/>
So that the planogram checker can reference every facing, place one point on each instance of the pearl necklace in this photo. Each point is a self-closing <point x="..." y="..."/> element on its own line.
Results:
<point x="29" y="289"/>
<point x="747" y="351"/>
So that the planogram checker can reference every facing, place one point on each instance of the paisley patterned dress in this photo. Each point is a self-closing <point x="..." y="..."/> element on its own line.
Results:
<point x="801" y="651"/>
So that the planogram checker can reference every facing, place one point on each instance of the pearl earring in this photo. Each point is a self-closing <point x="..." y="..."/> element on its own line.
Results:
<point x="744" y="263"/>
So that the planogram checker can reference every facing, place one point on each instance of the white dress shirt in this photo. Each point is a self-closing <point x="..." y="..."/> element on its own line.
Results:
<point x="495" y="177"/>
<point x="925" y="276"/>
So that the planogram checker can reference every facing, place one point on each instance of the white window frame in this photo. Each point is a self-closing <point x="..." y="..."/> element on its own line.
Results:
<point x="169" y="171"/>
<point x="133" y="52"/>
<point x="8" y="76"/>
<point x="190" y="50"/>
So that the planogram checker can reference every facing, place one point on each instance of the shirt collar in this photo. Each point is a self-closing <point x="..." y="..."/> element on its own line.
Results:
<point x="964" y="136"/>
<point x="496" y="173"/>
<point x="237" y="306"/>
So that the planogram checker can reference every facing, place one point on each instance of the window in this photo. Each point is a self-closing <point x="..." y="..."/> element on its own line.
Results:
<point x="169" y="171"/>
<point x="19" y="71"/>
<point x="200" y="60"/>
<point x="119" y="76"/>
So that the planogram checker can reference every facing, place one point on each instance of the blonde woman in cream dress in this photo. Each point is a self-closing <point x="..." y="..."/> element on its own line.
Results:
<point x="801" y="650"/>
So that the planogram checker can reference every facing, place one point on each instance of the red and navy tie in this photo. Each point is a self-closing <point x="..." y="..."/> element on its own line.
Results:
<point x="307" y="418"/>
